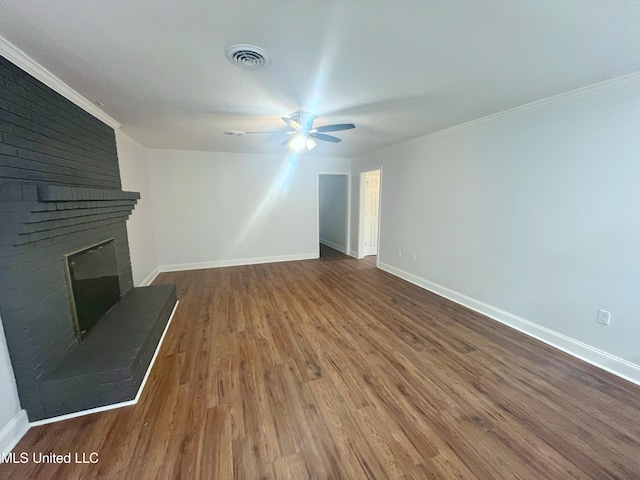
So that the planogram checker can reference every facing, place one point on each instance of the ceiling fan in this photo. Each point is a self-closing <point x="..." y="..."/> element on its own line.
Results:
<point x="304" y="134"/>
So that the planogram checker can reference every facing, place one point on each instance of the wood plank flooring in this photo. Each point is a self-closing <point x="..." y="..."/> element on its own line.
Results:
<point x="332" y="369"/>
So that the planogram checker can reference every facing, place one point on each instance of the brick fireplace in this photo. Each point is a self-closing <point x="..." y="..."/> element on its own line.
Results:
<point x="60" y="192"/>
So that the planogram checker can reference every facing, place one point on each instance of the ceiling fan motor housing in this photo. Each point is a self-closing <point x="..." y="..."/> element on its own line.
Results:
<point x="304" y="119"/>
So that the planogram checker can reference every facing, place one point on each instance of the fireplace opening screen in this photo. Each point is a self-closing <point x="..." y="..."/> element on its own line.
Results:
<point x="94" y="286"/>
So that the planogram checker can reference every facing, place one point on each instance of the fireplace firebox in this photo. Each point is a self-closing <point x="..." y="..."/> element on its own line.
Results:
<point x="94" y="287"/>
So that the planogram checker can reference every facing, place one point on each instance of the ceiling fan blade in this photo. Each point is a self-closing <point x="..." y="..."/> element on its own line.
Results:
<point x="270" y="131"/>
<point x="286" y="141"/>
<point x="292" y="123"/>
<point x="325" y="138"/>
<point x="335" y="128"/>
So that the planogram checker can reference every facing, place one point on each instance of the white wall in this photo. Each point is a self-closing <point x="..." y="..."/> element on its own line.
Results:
<point x="212" y="208"/>
<point x="8" y="390"/>
<point x="134" y="175"/>
<point x="333" y="197"/>
<point x="536" y="212"/>
<point x="13" y="420"/>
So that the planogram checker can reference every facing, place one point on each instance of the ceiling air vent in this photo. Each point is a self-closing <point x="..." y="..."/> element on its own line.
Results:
<point x="248" y="56"/>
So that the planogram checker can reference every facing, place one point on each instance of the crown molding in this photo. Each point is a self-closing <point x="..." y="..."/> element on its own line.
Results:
<point x="26" y="63"/>
<point x="559" y="99"/>
<point x="120" y="133"/>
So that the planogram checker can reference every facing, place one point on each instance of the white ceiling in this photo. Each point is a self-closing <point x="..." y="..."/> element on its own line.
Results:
<point x="397" y="69"/>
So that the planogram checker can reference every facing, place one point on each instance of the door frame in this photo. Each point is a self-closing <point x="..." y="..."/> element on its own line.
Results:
<point x="361" y="213"/>
<point x="347" y="242"/>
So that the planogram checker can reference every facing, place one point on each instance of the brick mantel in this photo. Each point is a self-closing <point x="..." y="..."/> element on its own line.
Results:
<point x="40" y="212"/>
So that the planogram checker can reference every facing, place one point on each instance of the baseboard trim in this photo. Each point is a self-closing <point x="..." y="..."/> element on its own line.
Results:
<point x="612" y="364"/>
<point x="178" y="267"/>
<point x="150" y="278"/>
<point x="155" y="354"/>
<point x="335" y="246"/>
<point x="13" y="432"/>
<point x="353" y="253"/>
<point x="120" y="404"/>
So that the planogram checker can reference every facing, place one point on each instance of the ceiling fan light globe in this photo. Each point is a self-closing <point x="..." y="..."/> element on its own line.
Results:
<point x="297" y="143"/>
<point x="310" y="143"/>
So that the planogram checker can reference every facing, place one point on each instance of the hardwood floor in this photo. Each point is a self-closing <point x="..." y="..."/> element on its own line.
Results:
<point x="333" y="369"/>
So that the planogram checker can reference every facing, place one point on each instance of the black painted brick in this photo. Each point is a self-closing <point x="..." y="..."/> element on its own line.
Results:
<point x="48" y="142"/>
<point x="35" y="119"/>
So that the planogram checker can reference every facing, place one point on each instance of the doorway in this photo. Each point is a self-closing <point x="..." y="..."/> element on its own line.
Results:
<point x="370" y="187"/>
<point x="333" y="211"/>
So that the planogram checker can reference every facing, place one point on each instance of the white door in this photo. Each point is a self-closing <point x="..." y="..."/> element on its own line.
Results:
<point x="371" y="212"/>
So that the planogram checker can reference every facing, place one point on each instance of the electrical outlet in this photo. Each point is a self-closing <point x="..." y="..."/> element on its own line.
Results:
<point x="414" y="257"/>
<point x="399" y="253"/>
<point x="604" y="317"/>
